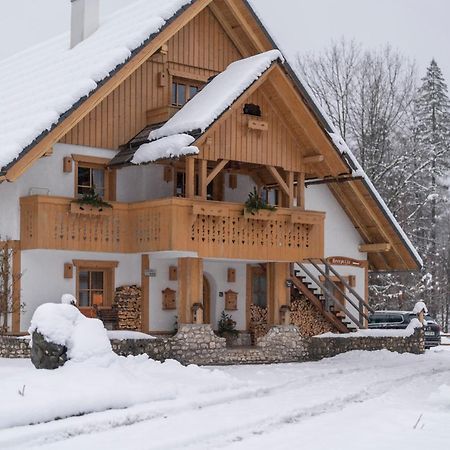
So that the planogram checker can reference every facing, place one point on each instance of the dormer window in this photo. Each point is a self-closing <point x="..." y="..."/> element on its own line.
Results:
<point x="183" y="91"/>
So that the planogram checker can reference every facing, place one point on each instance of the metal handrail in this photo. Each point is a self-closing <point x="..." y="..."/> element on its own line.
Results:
<point x="357" y="307"/>
<point x="336" y="302"/>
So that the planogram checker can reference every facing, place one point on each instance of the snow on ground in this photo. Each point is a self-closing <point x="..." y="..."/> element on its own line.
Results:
<point x="355" y="401"/>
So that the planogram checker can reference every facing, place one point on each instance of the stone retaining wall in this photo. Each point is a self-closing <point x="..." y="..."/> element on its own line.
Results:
<point x="328" y="347"/>
<point x="198" y="344"/>
<point x="14" y="347"/>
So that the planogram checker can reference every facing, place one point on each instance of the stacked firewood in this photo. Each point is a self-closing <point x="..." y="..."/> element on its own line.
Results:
<point x="128" y="303"/>
<point x="258" y="322"/>
<point x="306" y="317"/>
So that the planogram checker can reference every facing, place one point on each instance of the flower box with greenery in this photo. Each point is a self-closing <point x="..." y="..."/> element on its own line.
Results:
<point x="92" y="204"/>
<point x="227" y="328"/>
<point x="257" y="208"/>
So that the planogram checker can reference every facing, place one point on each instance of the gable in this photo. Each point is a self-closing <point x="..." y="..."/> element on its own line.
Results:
<point x="233" y="138"/>
<point x="198" y="51"/>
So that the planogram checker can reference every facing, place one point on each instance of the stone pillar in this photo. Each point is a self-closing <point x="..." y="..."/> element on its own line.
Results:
<point x="278" y="292"/>
<point x="190" y="287"/>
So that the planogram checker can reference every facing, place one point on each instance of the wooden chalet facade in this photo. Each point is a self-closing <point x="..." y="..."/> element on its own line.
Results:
<point x="177" y="227"/>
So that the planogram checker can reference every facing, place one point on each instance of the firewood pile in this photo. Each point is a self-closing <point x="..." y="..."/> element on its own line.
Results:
<point x="306" y="317"/>
<point x="258" y="322"/>
<point x="127" y="300"/>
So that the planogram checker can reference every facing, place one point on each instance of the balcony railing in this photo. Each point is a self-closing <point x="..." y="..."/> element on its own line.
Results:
<point x="211" y="229"/>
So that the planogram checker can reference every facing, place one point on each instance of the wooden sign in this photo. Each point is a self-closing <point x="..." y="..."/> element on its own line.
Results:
<point x="231" y="275"/>
<point x="173" y="273"/>
<point x="169" y="299"/>
<point x="231" y="299"/>
<point x="345" y="261"/>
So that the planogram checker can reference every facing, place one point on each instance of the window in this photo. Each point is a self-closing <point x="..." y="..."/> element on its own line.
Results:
<point x="91" y="291"/>
<point x="183" y="91"/>
<point x="90" y="179"/>
<point x="95" y="283"/>
<point x="271" y="195"/>
<point x="92" y="174"/>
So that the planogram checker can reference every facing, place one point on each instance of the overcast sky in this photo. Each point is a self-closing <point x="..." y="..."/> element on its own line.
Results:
<point x="418" y="28"/>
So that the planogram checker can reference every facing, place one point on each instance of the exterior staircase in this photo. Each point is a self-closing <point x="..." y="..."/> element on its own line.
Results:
<point x="321" y="295"/>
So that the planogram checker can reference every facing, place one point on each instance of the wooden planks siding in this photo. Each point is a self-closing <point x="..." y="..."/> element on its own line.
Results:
<point x="201" y="48"/>
<point x="232" y="139"/>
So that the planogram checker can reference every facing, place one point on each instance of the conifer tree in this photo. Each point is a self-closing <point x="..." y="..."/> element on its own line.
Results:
<point x="432" y="136"/>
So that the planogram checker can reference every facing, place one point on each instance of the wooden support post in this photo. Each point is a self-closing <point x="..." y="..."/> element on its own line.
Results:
<point x="290" y="184"/>
<point x="203" y="175"/>
<point x="145" y="299"/>
<point x="190" y="287"/>
<point x="300" y="190"/>
<point x="220" y="166"/>
<point x="190" y="177"/>
<point x="278" y="292"/>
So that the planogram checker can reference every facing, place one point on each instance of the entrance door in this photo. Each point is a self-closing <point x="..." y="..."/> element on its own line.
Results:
<point x="206" y="301"/>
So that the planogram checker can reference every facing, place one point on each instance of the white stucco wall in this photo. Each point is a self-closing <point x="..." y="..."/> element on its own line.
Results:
<point x="341" y="237"/>
<point x="245" y="185"/>
<point x="43" y="276"/>
<point x="141" y="183"/>
<point x="216" y="273"/>
<point x="45" y="177"/>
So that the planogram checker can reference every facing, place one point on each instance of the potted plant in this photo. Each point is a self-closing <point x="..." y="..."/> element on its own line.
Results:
<point x="257" y="207"/>
<point x="90" y="203"/>
<point x="227" y="328"/>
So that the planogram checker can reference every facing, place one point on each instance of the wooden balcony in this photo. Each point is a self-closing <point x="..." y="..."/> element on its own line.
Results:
<point x="211" y="229"/>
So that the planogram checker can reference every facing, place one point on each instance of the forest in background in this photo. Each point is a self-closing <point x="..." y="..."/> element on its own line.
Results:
<point x="397" y="122"/>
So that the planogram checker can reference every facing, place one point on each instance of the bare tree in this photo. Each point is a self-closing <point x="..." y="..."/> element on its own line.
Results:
<point x="9" y="282"/>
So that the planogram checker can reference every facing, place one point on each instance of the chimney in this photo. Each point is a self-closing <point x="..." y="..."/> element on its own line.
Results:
<point x="84" y="20"/>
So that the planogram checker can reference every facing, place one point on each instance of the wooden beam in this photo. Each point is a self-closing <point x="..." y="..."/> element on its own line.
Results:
<point x="279" y="179"/>
<point x="104" y="90"/>
<point x="190" y="177"/>
<point x="375" y="248"/>
<point x="202" y="178"/>
<point x="242" y="48"/>
<point x="190" y="287"/>
<point x="238" y="15"/>
<point x="290" y="184"/>
<point x="216" y="170"/>
<point x="300" y="190"/>
<point x="145" y="300"/>
<point x="278" y="292"/>
<point x="315" y="159"/>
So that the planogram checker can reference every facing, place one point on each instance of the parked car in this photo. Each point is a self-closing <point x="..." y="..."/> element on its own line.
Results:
<point x="391" y="320"/>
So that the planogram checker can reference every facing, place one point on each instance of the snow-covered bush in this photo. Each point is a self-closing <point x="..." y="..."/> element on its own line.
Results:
<point x="64" y="325"/>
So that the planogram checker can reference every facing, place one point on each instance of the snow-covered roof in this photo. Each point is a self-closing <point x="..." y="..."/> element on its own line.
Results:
<point x="41" y="84"/>
<point x="172" y="140"/>
<point x="166" y="147"/>
<point x="218" y="95"/>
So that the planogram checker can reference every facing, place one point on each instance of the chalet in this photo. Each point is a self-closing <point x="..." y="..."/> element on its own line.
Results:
<point x="130" y="155"/>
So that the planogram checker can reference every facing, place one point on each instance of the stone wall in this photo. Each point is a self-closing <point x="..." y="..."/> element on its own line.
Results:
<point x="198" y="344"/>
<point x="14" y="347"/>
<point x="328" y="347"/>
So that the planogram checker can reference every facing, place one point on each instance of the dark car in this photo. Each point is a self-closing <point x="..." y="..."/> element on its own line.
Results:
<point x="392" y="320"/>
